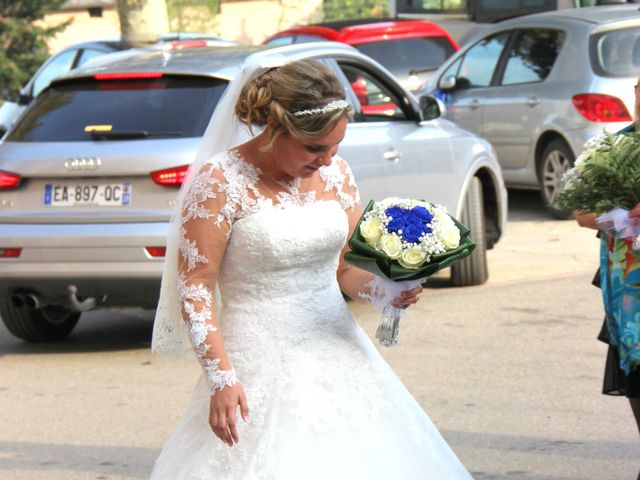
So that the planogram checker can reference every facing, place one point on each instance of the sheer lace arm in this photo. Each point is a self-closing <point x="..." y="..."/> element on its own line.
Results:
<point x="206" y="223"/>
<point x="354" y="282"/>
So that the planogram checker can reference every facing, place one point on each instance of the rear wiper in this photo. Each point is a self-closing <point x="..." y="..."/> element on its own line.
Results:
<point x="131" y="135"/>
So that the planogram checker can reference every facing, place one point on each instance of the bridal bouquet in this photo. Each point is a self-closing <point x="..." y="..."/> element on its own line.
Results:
<point x="606" y="178"/>
<point x="402" y="242"/>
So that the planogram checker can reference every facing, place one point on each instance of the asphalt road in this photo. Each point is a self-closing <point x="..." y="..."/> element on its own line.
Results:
<point x="510" y="372"/>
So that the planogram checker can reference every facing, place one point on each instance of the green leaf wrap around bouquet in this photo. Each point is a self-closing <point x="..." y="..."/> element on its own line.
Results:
<point x="366" y="257"/>
<point x="606" y="175"/>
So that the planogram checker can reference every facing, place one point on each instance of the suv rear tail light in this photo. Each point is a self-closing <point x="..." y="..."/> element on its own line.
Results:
<point x="597" y="107"/>
<point x="9" y="180"/>
<point x="156" y="251"/>
<point x="170" y="176"/>
<point x="127" y="75"/>
<point x="10" y="252"/>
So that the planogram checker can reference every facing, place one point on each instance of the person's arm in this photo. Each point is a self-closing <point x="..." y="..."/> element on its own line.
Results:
<point x="587" y="220"/>
<point x="203" y="241"/>
<point x="354" y="282"/>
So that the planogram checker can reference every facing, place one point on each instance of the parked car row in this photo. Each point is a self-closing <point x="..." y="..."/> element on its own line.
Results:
<point x="410" y="49"/>
<point x="88" y="174"/>
<point x="539" y="86"/>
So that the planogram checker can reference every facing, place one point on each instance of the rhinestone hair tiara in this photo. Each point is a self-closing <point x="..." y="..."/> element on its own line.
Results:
<point x="329" y="107"/>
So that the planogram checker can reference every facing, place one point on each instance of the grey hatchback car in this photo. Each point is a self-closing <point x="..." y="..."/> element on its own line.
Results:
<point x="537" y="87"/>
<point x="89" y="174"/>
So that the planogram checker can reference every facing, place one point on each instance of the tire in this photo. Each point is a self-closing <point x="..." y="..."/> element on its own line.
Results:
<point x="473" y="269"/>
<point x="556" y="159"/>
<point x="45" y="325"/>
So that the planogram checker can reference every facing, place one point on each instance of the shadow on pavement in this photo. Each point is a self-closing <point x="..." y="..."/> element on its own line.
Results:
<point x="97" y="331"/>
<point x="526" y="205"/>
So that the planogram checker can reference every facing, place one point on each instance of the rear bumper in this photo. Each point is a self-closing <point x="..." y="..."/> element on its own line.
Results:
<point x="106" y="261"/>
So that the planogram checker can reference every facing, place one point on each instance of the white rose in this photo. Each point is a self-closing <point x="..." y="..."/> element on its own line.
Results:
<point x="371" y="230"/>
<point x="442" y="217"/>
<point x="412" y="258"/>
<point x="391" y="245"/>
<point x="450" y="236"/>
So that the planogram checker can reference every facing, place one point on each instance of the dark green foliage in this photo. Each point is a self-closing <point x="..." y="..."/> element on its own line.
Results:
<point x="605" y="176"/>
<point x="23" y="45"/>
<point x="350" y="9"/>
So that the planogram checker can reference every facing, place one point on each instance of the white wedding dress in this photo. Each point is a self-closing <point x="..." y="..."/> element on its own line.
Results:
<point x="323" y="403"/>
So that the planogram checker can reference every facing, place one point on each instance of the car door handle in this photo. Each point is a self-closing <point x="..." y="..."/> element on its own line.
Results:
<point x="533" y="101"/>
<point x="474" y="104"/>
<point x="392" y="155"/>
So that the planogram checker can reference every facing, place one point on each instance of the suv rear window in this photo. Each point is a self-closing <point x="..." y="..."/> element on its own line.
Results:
<point x="400" y="56"/>
<point x="616" y="53"/>
<point x="88" y="110"/>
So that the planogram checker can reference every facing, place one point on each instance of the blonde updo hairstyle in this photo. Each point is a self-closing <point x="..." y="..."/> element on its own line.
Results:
<point x="294" y="87"/>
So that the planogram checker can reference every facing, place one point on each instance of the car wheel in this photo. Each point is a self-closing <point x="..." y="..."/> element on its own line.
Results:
<point x="44" y="325"/>
<point x="473" y="269"/>
<point x="556" y="159"/>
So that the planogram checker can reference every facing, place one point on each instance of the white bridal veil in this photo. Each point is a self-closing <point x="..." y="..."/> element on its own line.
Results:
<point x="170" y="334"/>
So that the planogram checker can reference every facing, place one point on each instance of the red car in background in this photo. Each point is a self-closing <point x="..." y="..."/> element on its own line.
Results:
<point x="410" y="49"/>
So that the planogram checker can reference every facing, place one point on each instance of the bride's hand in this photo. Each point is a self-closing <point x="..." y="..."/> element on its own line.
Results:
<point x="222" y="412"/>
<point x="407" y="297"/>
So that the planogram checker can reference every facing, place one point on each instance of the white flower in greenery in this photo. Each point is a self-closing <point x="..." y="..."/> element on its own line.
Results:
<point x="578" y="166"/>
<point x="371" y="230"/>
<point x="412" y="258"/>
<point x="391" y="245"/>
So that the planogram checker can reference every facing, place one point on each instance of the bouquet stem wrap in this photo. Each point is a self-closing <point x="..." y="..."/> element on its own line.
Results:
<point x="383" y="291"/>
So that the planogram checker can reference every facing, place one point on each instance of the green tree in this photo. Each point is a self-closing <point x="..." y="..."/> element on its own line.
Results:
<point x="349" y="9"/>
<point x="196" y="16"/>
<point x="23" y="40"/>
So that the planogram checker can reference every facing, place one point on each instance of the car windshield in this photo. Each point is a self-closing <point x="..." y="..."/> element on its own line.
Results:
<point x="616" y="53"/>
<point x="89" y="110"/>
<point x="400" y="56"/>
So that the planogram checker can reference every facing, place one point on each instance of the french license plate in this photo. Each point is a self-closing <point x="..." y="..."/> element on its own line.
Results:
<point x="108" y="195"/>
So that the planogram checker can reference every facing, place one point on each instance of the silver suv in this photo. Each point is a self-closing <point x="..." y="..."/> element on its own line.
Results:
<point x="90" y="172"/>
<point x="539" y="86"/>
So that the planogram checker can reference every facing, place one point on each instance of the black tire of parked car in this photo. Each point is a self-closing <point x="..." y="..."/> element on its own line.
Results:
<point x="44" y="325"/>
<point x="473" y="269"/>
<point x="556" y="159"/>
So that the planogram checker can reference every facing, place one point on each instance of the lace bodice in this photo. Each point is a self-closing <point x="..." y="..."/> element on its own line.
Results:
<point x="225" y="191"/>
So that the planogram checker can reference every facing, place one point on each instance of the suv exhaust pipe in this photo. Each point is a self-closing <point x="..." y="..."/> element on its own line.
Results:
<point x="32" y="301"/>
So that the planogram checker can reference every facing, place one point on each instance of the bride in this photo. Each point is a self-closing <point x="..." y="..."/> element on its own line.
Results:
<point x="266" y="220"/>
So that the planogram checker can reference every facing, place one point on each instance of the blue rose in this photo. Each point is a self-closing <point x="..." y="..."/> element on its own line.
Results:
<point x="396" y="224"/>
<point x="422" y="213"/>
<point x="412" y="234"/>
<point x="395" y="212"/>
<point x="414" y="220"/>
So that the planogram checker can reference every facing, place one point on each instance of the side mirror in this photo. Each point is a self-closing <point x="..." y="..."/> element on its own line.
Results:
<point x="447" y="83"/>
<point x="24" y="99"/>
<point x="431" y="107"/>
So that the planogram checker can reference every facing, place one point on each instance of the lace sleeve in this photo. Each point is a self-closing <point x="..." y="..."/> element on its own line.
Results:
<point x="354" y="282"/>
<point x="206" y="224"/>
